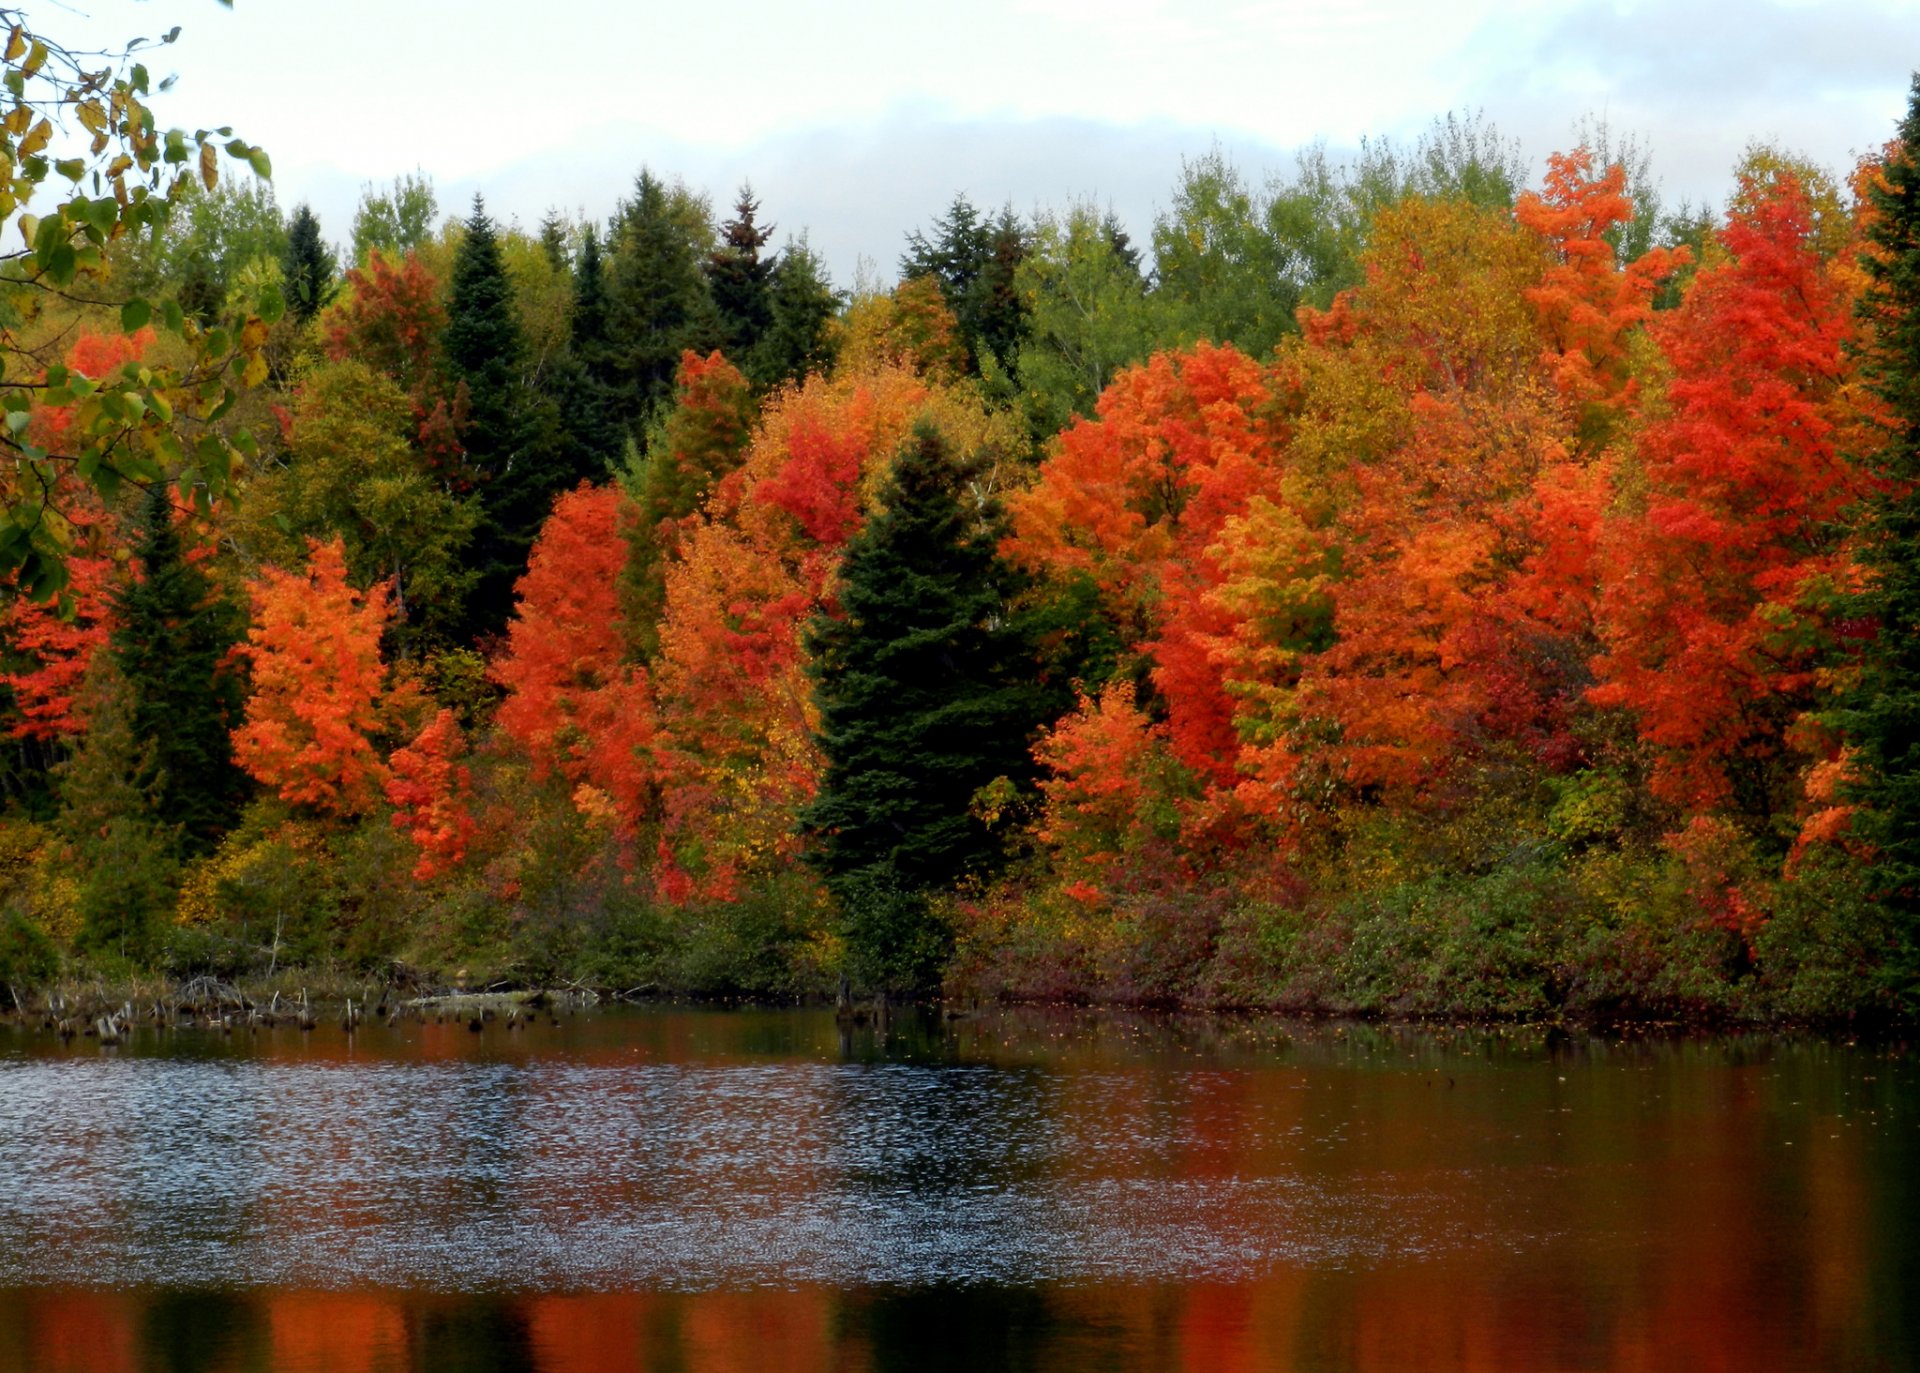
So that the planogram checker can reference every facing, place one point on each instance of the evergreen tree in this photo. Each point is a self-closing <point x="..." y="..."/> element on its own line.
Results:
<point x="925" y="698"/>
<point x="553" y="240"/>
<point x="486" y="357"/>
<point x="1882" y="713"/>
<point x="974" y="261"/>
<point x="125" y="859"/>
<point x="741" y="280"/>
<point x="802" y="306"/>
<point x="658" y="305"/>
<point x="306" y="269"/>
<point x="172" y="634"/>
<point x="592" y="440"/>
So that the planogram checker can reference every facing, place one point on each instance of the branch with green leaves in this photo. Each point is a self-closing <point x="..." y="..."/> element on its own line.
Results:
<point x="84" y="164"/>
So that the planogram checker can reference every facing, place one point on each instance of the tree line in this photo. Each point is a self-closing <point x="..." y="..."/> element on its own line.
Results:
<point x="1403" y="586"/>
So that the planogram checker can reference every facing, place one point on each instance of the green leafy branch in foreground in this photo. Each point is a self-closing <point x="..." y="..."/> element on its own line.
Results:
<point x="76" y="131"/>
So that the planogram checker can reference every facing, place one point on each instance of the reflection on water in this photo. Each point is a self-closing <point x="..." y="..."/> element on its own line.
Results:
<point x="706" y="1190"/>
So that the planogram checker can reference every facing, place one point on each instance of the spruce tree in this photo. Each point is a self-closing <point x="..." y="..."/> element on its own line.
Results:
<point x="925" y="698"/>
<point x="802" y="305"/>
<point x="306" y="270"/>
<point x="172" y="634"/>
<point x="658" y="304"/>
<point x="741" y="280"/>
<point x="974" y="260"/>
<point x="1882" y="713"/>
<point x="486" y="357"/>
<point x="594" y="438"/>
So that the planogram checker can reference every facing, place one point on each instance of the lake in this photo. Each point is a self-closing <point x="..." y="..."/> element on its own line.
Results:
<point x="693" y="1189"/>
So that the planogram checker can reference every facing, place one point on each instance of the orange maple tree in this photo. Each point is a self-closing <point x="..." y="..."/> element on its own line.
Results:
<point x="1714" y="580"/>
<point x="318" y="683"/>
<point x="432" y="795"/>
<point x="572" y="701"/>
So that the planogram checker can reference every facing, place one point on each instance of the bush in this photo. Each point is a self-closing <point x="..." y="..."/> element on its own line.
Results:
<point x="27" y="955"/>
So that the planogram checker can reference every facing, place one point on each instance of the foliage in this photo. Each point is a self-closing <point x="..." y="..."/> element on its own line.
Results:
<point x="433" y="796"/>
<point x="141" y="425"/>
<point x="318" y="684"/>
<point x="396" y="220"/>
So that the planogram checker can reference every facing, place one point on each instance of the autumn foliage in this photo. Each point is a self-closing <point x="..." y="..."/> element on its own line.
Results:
<point x="318" y="683"/>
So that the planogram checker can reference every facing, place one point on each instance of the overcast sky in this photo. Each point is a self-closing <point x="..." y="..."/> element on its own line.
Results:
<point x="859" y="121"/>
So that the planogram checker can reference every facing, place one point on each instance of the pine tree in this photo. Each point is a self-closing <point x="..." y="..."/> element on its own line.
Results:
<point x="741" y="280"/>
<point x="306" y="270"/>
<point x="173" y="631"/>
<point x="924" y="700"/>
<point x="1882" y="713"/>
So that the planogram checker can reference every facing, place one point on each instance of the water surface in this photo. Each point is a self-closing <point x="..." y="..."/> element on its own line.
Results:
<point x="684" y="1189"/>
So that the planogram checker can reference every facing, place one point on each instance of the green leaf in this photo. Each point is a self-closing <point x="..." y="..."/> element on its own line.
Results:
<point x="17" y="421"/>
<point x="172" y="317"/>
<point x="72" y="168"/>
<point x="61" y="264"/>
<point x="134" y="315"/>
<point x="262" y="164"/>
<point x="273" y="304"/>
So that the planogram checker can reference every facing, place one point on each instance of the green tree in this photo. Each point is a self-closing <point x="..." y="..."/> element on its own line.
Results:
<point x="741" y="280"/>
<point x="306" y="267"/>
<point x="658" y="305"/>
<point x="396" y="219"/>
<point x="351" y="470"/>
<point x="519" y="475"/>
<point x="1088" y="316"/>
<point x="172" y="634"/>
<point x="124" y="855"/>
<point x="1881" y="714"/>
<point x="1218" y="273"/>
<point x="584" y="380"/>
<point x="974" y="260"/>
<point x="925" y="698"/>
<point x="214" y="239"/>
<point x="799" y="338"/>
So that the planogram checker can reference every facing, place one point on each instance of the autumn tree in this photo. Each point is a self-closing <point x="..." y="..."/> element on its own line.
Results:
<point x="318" y="683"/>
<point x="432" y="795"/>
<point x="1714" y="607"/>
<point x="352" y="470"/>
<point x="119" y="180"/>
<point x="701" y="439"/>
<point x="574" y="703"/>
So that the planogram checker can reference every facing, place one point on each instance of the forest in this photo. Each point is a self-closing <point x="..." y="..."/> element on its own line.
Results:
<point x="1410" y="585"/>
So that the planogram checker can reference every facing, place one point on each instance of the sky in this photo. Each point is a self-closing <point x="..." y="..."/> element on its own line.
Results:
<point x="860" y="121"/>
